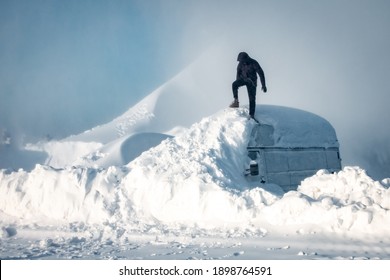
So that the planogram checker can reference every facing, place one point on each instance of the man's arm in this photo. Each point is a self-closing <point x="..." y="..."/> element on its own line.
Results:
<point x="260" y="71"/>
<point x="238" y="75"/>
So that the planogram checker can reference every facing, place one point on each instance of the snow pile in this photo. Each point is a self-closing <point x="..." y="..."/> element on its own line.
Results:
<point x="60" y="196"/>
<point x="349" y="201"/>
<point x="122" y="151"/>
<point x="356" y="201"/>
<point x="61" y="153"/>
<point x="183" y="180"/>
<point x="187" y="180"/>
<point x="195" y="180"/>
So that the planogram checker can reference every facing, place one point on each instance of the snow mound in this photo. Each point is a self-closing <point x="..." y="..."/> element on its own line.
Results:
<point x="346" y="201"/>
<point x="186" y="179"/>
<point x="194" y="180"/>
<point x="121" y="151"/>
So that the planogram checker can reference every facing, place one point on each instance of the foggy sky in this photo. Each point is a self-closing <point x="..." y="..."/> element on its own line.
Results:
<point x="66" y="66"/>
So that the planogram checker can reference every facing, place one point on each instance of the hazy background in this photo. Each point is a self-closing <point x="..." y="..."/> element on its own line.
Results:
<point x="67" y="66"/>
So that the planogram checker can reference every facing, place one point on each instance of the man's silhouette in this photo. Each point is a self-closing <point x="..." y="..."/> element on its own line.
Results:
<point x="247" y="71"/>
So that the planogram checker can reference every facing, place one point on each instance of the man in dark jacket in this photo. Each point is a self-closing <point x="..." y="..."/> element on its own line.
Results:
<point x="247" y="71"/>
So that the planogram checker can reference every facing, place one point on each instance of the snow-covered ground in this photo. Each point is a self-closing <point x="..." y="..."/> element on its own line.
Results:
<point x="138" y="188"/>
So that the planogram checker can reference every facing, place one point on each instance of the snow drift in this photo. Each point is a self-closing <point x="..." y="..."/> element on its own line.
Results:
<point x="194" y="180"/>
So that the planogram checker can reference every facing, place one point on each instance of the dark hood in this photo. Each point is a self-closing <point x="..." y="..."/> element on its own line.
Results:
<point x="242" y="56"/>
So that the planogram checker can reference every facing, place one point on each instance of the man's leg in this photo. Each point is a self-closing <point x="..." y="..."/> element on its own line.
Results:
<point x="236" y="84"/>
<point x="252" y="99"/>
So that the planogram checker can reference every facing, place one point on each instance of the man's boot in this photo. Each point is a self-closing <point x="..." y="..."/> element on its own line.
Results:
<point x="235" y="104"/>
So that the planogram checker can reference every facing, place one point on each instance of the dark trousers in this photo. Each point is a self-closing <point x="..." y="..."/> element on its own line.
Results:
<point x="251" y="87"/>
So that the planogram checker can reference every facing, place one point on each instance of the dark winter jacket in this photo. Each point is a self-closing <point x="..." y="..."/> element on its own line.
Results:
<point x="248" y="67"/>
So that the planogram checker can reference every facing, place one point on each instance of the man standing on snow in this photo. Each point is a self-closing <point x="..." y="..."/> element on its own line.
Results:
<point x="247" y="71"/>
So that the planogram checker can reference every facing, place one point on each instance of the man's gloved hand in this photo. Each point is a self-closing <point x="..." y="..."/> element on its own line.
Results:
<point x="264" y="88"/>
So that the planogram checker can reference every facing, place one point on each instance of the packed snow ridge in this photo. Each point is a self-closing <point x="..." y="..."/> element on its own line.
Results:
<point x="194" y="180"/>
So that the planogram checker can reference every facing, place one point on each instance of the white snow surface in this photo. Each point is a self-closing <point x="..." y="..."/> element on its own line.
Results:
<point x="297" y="128"/>
<point x="186" y="198"/>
